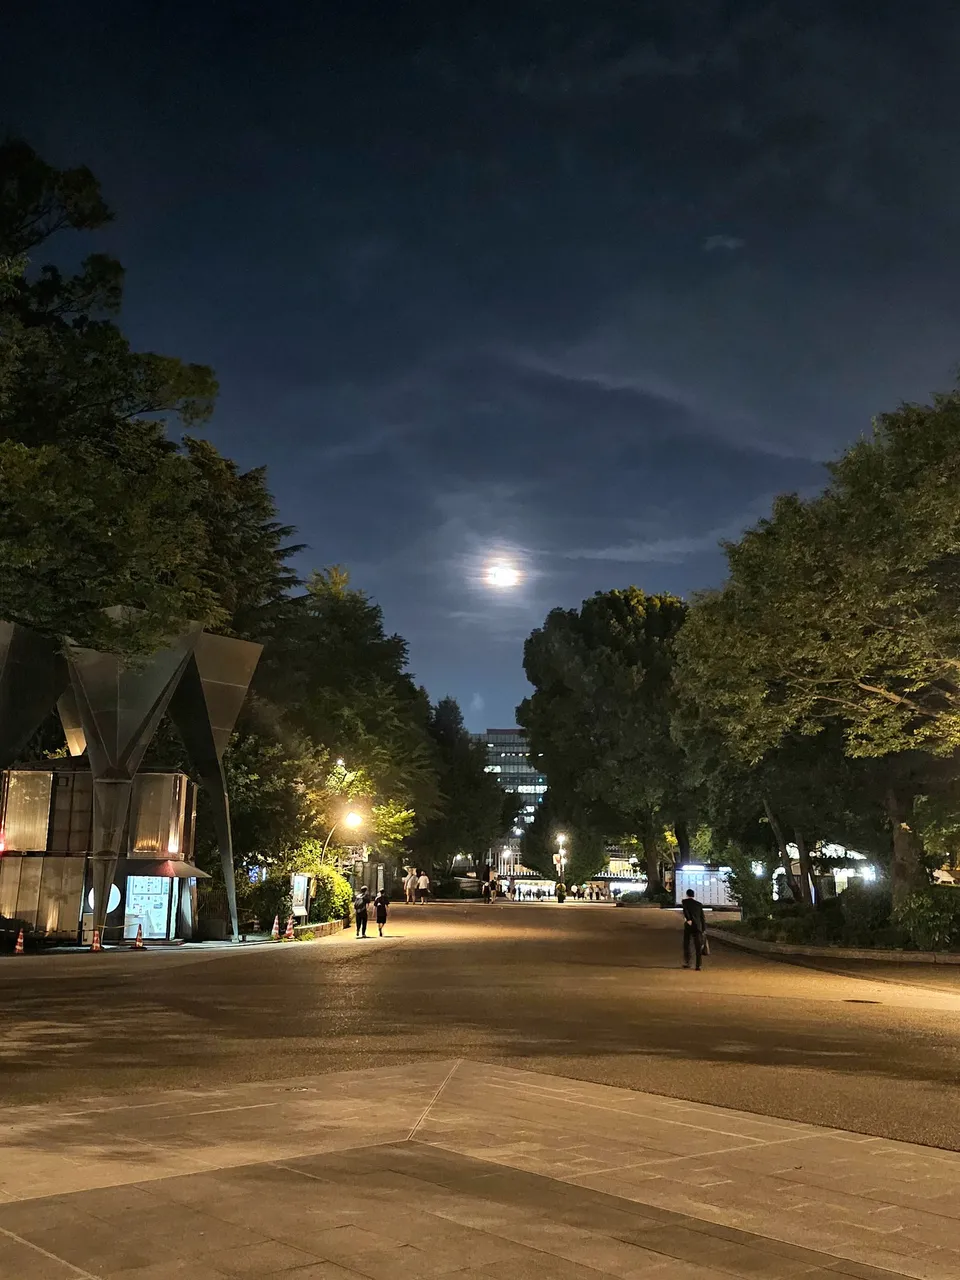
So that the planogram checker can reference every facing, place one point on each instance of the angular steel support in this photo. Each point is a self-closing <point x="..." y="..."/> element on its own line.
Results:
<point x="119" y="708"/>
<point x="204" y="710"/>
<point x="69" y="714"/>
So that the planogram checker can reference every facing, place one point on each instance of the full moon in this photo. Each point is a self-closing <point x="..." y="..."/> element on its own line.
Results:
<point x="502" y="575"/>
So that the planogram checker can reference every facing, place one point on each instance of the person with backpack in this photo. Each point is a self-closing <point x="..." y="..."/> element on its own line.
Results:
<point x="380" y="904"/>
<point x="361" y="901"/>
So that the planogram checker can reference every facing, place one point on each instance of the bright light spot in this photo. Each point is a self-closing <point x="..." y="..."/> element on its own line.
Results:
<point x="340" y="762"/>
<point x="758" y="868"/>
<point x="868" y="873"/>
<point x="502" y="575"/>
<point x="561" y="838"/>
<point x="353" y="820"/>
<point x="112" y="902"/>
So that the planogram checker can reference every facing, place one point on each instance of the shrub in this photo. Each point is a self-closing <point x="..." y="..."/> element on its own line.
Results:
<point x="866" y="911"/>
<point x="931" y="918"/>
<point x="632" y="898"/>
<point x="269" y="898"/>
<point x="332" y="896"/>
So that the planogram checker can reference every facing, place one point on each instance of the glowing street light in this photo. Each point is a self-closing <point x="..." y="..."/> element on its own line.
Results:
<point x="351" y="820"/>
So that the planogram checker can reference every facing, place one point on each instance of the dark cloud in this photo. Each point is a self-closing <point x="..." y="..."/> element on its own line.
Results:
<point x="580" y="285"/>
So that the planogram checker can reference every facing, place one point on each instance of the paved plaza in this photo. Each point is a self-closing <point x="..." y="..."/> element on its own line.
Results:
<point x="461" y="1169"/>
<point x="329" y="1110"/>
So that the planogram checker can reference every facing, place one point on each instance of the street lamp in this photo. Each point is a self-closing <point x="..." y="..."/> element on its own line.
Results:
<point x="561" y="852"/>
<point x="351" y="819"/>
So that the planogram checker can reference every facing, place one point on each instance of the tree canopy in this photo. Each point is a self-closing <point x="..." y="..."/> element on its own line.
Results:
<point x="599" y="718"/>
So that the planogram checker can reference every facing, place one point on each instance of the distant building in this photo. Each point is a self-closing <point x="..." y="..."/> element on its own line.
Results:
<point x="508" y="760"/>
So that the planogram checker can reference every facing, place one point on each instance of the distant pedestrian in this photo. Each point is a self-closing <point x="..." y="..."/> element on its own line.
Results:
<point x="410" y="885"/>
<point x="485" y="892"/>
<point x="361" y="901"/>
<point x="380" y="904"/>
<point x="423" y="886"/>
<point x="694" y="928"/>
<point x="561" y="891"/>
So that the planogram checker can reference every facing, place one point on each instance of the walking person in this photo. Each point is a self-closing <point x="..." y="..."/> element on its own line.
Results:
<point x="423" y="886"/>
<point x="380" y="904"/>
<point x="485" y="891"/>
<point x="361" y="901"/>
<point x="694" y="928"/>
<point x="410" y="885"/>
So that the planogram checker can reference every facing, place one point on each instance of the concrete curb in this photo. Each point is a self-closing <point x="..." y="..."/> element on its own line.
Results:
<point x="833" y="953"/>
<point x="310" y="932"/>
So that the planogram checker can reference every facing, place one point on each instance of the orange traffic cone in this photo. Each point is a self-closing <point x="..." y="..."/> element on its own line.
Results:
<point x="95" y="944"/>
<point x="275" y="931"/>
<point x="18" y="949"/>
<point x="138" y="942"/>
<point x="288" y="936"/>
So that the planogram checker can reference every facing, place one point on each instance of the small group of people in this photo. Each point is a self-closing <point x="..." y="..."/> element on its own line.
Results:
<point x="361" y="906"/>
<point x="416" y="885"/>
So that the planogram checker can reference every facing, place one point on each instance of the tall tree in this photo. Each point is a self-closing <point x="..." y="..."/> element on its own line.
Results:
<point x="473" y="811"/>
<point x="846" y="610"/>
<point x="343" y="681"/>
<point x="599" y="719"/>
<point x="99" y="504"/>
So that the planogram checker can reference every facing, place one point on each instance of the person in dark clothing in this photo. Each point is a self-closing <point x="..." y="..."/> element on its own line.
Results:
<point x="380" y="904"/>
<point x="360" y="903"/>
<point x="485" y="891"/>
<point x="694" y="927"/>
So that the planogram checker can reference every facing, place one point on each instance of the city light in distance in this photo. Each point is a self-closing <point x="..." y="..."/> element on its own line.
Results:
<point x="502" y="575"/>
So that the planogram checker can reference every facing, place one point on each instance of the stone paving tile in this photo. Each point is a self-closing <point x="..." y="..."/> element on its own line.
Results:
<point x="572" y="1182"/>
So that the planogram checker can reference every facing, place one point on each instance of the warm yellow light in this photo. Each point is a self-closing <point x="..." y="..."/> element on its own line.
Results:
<point x="353" y="820"/>
<point x="502" y="575"/>
<point x="561" y="839"/>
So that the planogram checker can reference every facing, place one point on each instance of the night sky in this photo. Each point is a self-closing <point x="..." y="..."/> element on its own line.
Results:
<point x="577" y="285"/>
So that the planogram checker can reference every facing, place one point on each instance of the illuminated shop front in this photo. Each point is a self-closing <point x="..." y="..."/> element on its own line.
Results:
<point x="45" y="856"/>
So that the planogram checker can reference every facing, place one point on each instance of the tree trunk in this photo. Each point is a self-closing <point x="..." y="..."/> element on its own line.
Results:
<point x="778" y="835"/>
<point x="807" y="882"/>
<point x="907" y="872"/>
<point x="681" y="831"/>
<point x="651" y="849"/>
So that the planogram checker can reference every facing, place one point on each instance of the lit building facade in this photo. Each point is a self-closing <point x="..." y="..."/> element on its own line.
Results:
<point x="46" y="852"/>
<point x="508" y="760"/>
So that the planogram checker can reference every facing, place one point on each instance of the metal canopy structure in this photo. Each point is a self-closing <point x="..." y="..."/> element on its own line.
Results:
<point x="112" y="710"/>
<point x="204" y="710"/>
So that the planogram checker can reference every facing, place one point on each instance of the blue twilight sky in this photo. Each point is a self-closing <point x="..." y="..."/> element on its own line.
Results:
<point x="581" y="285"/>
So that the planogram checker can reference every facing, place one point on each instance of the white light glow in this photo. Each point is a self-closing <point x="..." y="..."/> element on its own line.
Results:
<point x="502" y="575"/>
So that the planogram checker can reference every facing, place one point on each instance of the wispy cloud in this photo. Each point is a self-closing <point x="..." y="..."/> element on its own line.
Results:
<point x="728" y="243"/>
<point x="674" y="550"/>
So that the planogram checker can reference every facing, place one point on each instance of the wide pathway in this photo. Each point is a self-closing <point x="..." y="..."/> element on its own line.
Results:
<point x="504" y="1091"/>
<point x="463" y="1170"/>
<point x="594" y="993"/>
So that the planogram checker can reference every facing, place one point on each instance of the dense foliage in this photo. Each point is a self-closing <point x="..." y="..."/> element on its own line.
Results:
<point x="813" y="699"/>
<point x="119" y="524"/>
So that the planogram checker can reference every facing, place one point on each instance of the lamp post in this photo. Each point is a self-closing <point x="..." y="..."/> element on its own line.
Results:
<point x="351" y="819"/>
<point x="561" y="854"/>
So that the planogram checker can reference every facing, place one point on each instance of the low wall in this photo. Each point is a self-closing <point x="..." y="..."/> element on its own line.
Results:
<point x="310" y="932"/>
<point x="889" y="955"/>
